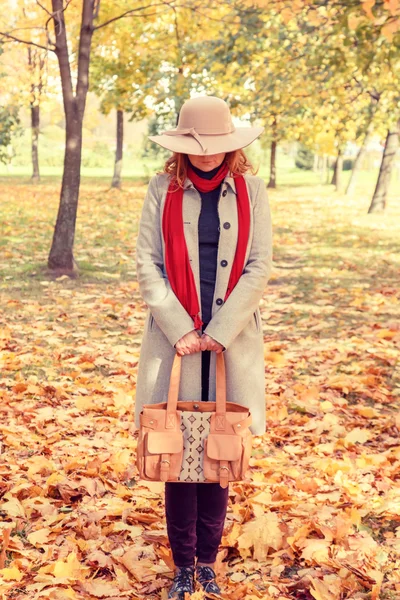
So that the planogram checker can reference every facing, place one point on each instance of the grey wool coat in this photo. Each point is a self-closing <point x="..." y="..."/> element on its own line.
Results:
<point x="236" y="323"/>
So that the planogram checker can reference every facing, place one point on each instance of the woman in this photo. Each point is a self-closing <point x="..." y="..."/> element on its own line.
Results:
<point x="203" y="256"/>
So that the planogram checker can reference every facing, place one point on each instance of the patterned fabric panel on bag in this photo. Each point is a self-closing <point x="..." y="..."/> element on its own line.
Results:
<point x="195" y="427"/>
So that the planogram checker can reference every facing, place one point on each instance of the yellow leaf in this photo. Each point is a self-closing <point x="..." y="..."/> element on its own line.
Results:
<point x="277" y="413"/>
<point x="40" y="465"/>
<point x="358" y="435"/>
<point x="367" y="411"/>
<point x="69" y="570"/>
<point x="101" y="588"/>
<point x="11" y="574"/>
<point x="12" y="506"/>
<point x="376" y="588"/>
<point x="314" y="18"/>
<point x="86" y="366"/>
<point x="327" y="406"/>
<point x="353" y="20"/>
<point x="40" y="537"/>
<point x="66" y="594"/>
<point x="232" y="537"/>
<point x="388" y="30"/>
<point x="355" y="516"/>
<point x="367" y="5"/>
<point x="199" y="595"/>
<point x="276" y="358"/>
<point x="321" y="591"/>
<point x="386" y="333"/>
<point x="261" y="534"/>
<point x="316" y="550"/>
<point x="263" y="498"/>
<point x="286" y="15"/>
<point x="122" y="399"/>
<point x="84" y="403"/>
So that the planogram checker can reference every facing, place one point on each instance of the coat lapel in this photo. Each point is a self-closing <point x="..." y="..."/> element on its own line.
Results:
<point x="191" y="213"/>
<point x="227" y="211"/>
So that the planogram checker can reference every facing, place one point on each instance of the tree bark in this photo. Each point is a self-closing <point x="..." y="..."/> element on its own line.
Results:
<point x="338" y="171"/>
<point x="36" y="63"/>
<point x="35" y="124"/>
<point x="116" y="181"/>
<point x="272" y="166"/>
<point x="378" y="202"/>
<point x="358" y="162"/>
<point x="328" y="168"/>
<point x="272" y="163"/>
<point x="61" y="257"/>
<point x="323" y="168"/>
<point x="361" y="153"/>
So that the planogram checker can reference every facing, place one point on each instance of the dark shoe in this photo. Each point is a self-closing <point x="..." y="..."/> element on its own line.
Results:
<point x="183" y="582"/>
<point x="206" y="576"/>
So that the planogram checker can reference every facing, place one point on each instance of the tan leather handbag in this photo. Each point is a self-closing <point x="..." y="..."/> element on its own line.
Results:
<point x="184" y="440"/>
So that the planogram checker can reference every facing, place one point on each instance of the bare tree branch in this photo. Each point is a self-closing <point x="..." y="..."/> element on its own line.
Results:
<point x="96" y="9"/>
<point x="43" y="8"/>
<point x="12" y="37"/>
<point x="129" y="13"/>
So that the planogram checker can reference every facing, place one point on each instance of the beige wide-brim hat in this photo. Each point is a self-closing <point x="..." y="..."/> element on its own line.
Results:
<point x="205" y="127"/>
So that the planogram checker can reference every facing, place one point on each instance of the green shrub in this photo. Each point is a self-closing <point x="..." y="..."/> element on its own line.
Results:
<point x="304" y="158"/>
<point x="348" y="164"/>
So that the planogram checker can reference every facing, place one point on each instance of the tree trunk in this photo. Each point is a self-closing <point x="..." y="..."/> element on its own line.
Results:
<point x="328" y="169"/>
<point x="35" y="123"/>
<point x="116" y="181"/>
<point x="357" y="163"/>
<point x="272" y="173"/>
<point x="378" y="202"/>
<point x="360" y="156"/>
<point x="338" y="171"/>
<point x="323" y="167"/>
<point x="61" y="257"/>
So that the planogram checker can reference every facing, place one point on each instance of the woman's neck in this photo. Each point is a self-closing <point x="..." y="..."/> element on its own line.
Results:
<point x="205" y="174"/>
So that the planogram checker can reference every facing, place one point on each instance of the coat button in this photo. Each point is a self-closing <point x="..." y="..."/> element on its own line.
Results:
<point x="219" y="301"/>
<point x="224" y="263"/>
<point x="227" y="225"/>
<point x="224" y="193"/>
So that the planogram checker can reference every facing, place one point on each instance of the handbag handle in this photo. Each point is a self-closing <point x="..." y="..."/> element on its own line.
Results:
<point x="174" y="390"/>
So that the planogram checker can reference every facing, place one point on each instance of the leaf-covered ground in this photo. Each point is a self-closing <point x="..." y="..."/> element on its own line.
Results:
<point x="318" y="517"/>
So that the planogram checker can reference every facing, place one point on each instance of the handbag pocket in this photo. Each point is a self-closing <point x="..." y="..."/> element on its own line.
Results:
<point x="163" y="445"/>
<point x="247" y="451"/>
<point x="221" y="447"/>
<point x="139" y="456"/>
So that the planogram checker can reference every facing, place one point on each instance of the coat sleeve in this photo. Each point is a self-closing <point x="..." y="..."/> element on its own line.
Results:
<point x="156" y="291"/>
<point x="244" y="299"/>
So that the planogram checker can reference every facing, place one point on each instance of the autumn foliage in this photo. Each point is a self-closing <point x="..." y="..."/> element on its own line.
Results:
<point x="319" y="514"/>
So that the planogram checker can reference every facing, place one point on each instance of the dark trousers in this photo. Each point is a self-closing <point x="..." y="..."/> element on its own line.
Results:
<point x="205" y="373"/>
<point x="195" y="512"/>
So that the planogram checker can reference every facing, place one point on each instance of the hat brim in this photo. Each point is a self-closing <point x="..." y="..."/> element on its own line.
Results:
<point x="214" y="144"/>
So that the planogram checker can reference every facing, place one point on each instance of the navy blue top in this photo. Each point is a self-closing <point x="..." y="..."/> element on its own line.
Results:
<point x="208" y="243"/>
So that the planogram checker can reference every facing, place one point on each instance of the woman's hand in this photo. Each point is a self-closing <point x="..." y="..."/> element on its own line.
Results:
<point x="208" y="343"/>
<point x="189" y="343"/>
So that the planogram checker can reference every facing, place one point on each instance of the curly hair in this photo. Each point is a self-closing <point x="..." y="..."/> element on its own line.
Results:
<point x="176" y="165"/>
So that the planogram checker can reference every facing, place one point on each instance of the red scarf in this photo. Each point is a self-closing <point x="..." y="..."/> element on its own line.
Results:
<point x="177" y="264"/>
